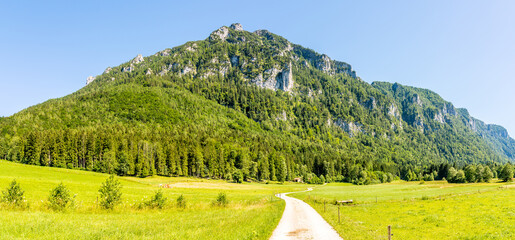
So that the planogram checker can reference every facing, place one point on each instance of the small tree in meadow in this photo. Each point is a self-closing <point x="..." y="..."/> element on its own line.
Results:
<point x="13" y="195"/>
<point x="181" y="202"/>
<point x="110" y="193"/>
<point x="60" y="198"/>
<point x="221" y="200"/>
<point x="157" y="201"/>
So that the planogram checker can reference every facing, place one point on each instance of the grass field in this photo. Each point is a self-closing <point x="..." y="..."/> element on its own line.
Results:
<point x="433" y="210"/>
<point x="252" y="212"/>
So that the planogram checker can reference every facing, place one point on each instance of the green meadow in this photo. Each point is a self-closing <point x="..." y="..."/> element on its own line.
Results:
<point x="252" y="212"/>
<point x="432" y="210"/>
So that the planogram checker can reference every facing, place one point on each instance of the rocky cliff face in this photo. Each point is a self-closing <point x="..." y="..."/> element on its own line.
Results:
<point x="444" y="113"/>
<point x="220" y="34"/>
<point x="90" y="79"/>
<point x="276" y="78"/>
<point x="323" y="63"/>
<point x="236" y="26"/>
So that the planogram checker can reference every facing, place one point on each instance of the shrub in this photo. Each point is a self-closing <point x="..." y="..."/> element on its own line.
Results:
<point x="221" y="200"/>
<point x="237" y="176"/>
<point x="456" y="176"/>
<point x="13" y="195"/>
<point x="390" y="177"/>
<point x="157" y="201"/>
<point x="110" y="194"/>
<point x="60" y="198"/>
<point x="181" y="202"/>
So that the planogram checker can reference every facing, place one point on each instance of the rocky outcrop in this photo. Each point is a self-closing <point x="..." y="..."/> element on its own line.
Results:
<point x="341" y="67"/>
<point x="164" y="70"/>
<point x="220" y="34"/>
<point x="90" y="79"/>
<point x="371" y="103"/>
<point x="192" y="47"/>
<point x="188" y="70"/>
<point x="393" y="111"/>
<point x="443" y="113"/>
<point x="265" y="33"/>
<point x="286" y="50"/>
<point x="236" y="26"/>
<point x="416" y="99"/>
<point x="276" y="78"/>
<point x="324" y="64"/>
<point x="350" y="128"/>
<point x="129" y="68"/>
<point x="419" y="123"/>
<point x="138" y="59"/>
<point x="148" y="72"/>
<point x="164" y="53"/>
<point x="285" y="79"/>
<point x="440" y="117"/>
<point x="108" y="70"/>
<point x="331" y="67"/>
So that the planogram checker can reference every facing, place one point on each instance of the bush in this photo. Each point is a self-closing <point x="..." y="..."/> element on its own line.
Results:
<point x="390" y="177"/>
<point x="221" y="200"/>
<point x="459" y="177"/>
<point x="181" y="202"/>
<point x="314" y="179"/>
<point x="237" y="176"/>
<point x="60" y="198"/>
<point x="157" y="201"/>
<point x="110" y="193"/>
<point x="13" y="195"/>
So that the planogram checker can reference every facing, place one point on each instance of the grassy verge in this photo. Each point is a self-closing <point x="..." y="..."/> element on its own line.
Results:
<point x="430" y="211"/>
<point x="252" y="212"/>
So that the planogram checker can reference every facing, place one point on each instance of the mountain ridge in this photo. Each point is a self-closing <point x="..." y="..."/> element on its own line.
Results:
<point x="250" y="103"/>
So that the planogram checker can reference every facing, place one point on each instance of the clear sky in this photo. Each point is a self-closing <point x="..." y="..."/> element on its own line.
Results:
<point x="463" y="50"/>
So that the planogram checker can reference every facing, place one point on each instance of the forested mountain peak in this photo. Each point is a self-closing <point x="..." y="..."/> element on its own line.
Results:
<point x="260" y="57"/>
<point x="249" y="103"/>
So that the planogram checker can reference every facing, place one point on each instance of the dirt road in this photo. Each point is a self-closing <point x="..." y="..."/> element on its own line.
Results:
<point x="301" y="221"/>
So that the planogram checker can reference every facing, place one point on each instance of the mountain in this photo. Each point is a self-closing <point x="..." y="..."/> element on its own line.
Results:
<point x="250" y="104"/>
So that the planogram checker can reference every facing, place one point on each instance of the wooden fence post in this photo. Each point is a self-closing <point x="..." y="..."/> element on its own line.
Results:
<point x="389" y="232"/>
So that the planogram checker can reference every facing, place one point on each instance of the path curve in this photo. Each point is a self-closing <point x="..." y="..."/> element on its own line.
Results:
<point x="301" y="221"/>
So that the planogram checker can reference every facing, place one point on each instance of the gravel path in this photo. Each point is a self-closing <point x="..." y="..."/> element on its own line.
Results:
<point x="301" y="221"/>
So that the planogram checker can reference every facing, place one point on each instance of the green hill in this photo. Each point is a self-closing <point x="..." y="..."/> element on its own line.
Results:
<point x="249" y="104"/>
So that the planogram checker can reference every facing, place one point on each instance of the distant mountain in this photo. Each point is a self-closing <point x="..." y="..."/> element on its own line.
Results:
<point x="249" y="103"/>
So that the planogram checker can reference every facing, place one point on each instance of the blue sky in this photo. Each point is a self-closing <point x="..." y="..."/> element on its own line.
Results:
<point x="463" y="50"/>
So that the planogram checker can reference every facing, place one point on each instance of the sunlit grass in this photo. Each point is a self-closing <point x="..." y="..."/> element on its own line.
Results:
<point x="434" y="210"/>
<point x="252" y="212"/>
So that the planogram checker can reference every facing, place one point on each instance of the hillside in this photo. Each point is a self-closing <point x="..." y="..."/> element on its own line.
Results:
<point x="250" y="104"/>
